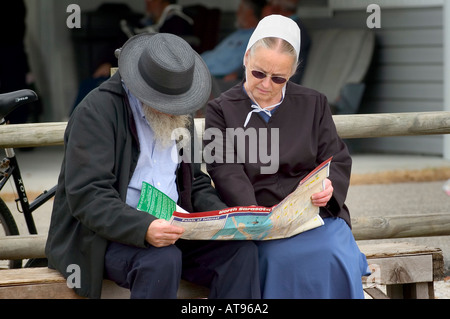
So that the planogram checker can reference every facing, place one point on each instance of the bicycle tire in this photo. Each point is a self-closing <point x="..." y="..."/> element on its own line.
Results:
<point x="10" y="229"/>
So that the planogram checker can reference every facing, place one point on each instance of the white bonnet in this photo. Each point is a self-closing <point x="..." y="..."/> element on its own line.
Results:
<point x="277" y="26"/>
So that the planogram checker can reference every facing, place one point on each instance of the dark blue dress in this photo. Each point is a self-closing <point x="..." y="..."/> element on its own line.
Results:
<point x="322" y="263"/>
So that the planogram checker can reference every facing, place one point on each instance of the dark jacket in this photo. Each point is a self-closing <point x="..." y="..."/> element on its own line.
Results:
<point x="101" y="153"/>
<point x="307" y="137"/>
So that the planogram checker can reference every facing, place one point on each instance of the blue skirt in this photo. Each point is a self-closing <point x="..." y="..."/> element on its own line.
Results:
<point x="323" y="263"/>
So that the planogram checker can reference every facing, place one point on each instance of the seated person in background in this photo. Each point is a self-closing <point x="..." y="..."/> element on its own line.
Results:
<point x="288" y="8"/>
<point x="164" y="16"/>
<point x="117" y="138"/>
<point x="225" y="60"/>
<point x="161" y="16"/>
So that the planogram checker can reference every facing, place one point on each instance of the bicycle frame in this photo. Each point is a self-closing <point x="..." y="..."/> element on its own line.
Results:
<point x="12" y="169"/>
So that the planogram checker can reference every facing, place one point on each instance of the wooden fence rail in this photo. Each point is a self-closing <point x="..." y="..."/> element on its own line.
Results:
<point x="348" y="126"/>
<point x="402" y="226"/>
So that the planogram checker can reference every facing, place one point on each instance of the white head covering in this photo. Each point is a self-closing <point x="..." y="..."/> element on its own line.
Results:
<point x="277" y="26"/>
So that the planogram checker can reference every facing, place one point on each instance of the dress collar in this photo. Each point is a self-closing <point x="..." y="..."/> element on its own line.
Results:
<point x="257" y="108"/>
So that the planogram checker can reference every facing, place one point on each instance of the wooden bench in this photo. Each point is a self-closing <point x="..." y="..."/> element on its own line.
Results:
<point x="407" y="270"/>
<point x="45" y="283"/>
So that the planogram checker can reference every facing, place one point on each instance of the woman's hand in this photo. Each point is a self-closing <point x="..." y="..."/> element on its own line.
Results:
<point x="322" y="198"/>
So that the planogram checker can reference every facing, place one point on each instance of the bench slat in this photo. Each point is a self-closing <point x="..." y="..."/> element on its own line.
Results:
<point x="386" y="250"/>
<point x="38" y="291"/>
<point x="25" y="276"/>
<point x="46" y="283"/>
<point x="404" y="270"/>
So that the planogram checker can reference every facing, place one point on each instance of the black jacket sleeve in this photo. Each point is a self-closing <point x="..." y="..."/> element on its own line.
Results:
<point x="94" y="164"/>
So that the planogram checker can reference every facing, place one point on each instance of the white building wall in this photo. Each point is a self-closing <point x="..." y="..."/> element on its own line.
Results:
<point x="407" y="73"/>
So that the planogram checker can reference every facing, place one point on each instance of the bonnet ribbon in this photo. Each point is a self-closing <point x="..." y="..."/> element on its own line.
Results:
<point x="257" y="109"/>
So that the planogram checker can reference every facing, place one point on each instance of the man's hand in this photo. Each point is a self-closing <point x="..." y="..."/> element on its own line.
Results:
<point x="322" y="198"/>
<point x="160" y="233"/>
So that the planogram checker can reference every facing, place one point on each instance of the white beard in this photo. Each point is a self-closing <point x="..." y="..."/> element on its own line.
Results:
<point x="164" y="124"/>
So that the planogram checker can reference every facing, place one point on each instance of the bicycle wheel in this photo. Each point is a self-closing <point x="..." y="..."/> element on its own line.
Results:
<point x="8" y="228"/>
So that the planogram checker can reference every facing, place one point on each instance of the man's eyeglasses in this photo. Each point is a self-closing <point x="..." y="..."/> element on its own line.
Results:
<point x="261" y="75"/>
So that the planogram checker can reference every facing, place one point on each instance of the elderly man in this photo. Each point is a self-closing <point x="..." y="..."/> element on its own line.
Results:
<point x="119" y="137"/>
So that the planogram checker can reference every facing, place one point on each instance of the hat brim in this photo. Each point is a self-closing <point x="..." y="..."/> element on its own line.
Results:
<point x="178" y="104"/>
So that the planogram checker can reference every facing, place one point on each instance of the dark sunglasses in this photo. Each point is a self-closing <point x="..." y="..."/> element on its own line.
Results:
<point x="261" y="75"/>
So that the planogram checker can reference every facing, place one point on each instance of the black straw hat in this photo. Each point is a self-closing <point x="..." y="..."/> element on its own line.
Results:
<point x="165" y="73"/>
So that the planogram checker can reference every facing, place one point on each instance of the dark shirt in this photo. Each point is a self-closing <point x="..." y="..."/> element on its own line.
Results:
<point x="307" y="137"/>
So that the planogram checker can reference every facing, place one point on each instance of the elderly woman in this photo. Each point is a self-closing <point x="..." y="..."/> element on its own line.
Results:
<point x="324" y="262"/>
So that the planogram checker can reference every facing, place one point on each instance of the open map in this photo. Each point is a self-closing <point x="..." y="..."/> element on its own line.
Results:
<point x="293" y="215"/>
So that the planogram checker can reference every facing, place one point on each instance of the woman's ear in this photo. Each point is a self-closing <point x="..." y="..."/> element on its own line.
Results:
<point x="246" y="58"/>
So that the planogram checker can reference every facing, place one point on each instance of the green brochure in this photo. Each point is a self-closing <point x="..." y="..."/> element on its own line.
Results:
<point x="155" y="202"/>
